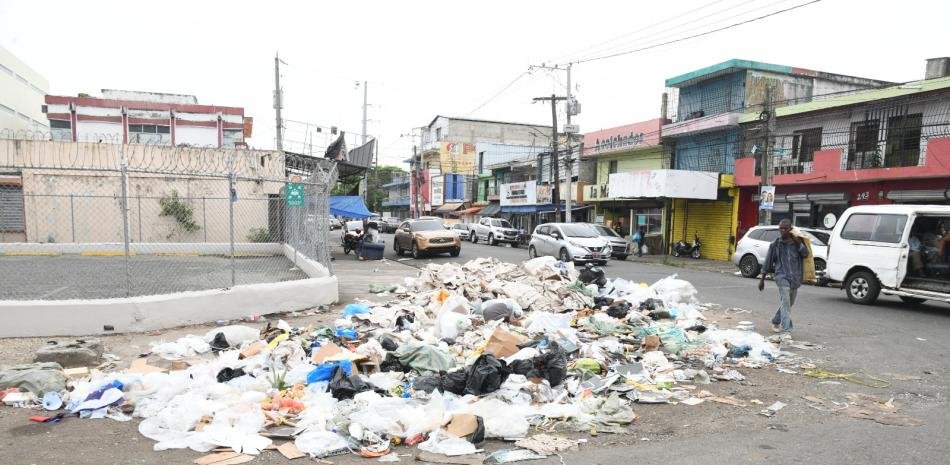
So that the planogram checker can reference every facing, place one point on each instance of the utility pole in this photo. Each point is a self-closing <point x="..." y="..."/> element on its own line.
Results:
<point x="555" y="159"/>
<point x="365" y="94"/>
<point x="570" y="152"/>
<point x="278" y="102"/>
<point x="768" y="114"/>
<point x="363" y="182"/>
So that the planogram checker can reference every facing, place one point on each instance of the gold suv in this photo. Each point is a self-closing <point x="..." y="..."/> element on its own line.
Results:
<point x="420" y="237"/>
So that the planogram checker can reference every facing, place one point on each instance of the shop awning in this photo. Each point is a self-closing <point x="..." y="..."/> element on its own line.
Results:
<point x="448" y="207"/>
<point x="492" y="209"/>
<point x="468" y="211"/>
<point x="918" y="195"/>
<point x="349" y="206"/>
<point x="550" y="208"/>
<point x="520" y="208"/>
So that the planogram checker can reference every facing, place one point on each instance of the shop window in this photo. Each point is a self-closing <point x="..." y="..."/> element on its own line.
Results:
<point x="651" y="218"/>
<point x="612" y="166"/>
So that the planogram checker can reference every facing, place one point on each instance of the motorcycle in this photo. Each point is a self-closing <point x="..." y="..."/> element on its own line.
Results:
<point x="351" y="240"/>
<point x="681" y="248"/>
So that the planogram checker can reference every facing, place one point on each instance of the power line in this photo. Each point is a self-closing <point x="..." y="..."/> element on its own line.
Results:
<point x="614" y="55"/>
<point x="503" y="89"/>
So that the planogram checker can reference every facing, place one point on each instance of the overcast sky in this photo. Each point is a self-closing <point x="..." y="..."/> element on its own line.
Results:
<point x="427" y="58"/>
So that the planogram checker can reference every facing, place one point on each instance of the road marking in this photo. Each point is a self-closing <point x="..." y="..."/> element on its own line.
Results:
<point x="54" y="291"/>
<point x="32" y="254"/>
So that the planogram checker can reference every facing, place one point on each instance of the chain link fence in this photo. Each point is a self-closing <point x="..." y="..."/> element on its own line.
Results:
<point x="99" y="220"/>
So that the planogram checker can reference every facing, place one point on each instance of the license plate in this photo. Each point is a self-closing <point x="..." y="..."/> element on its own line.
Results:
<point x="596" y="255"/>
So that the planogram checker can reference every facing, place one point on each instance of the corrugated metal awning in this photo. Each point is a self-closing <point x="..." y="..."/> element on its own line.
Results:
<point x="918" y="195"/>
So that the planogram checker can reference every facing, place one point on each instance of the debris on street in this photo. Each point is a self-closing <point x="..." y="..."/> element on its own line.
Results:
<point x="461" y="354"/>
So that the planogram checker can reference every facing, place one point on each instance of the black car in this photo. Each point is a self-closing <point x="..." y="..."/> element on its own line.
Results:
<point x="389" y="225"/>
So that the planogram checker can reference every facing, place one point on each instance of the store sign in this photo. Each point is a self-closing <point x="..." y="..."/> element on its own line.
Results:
<point x="438" y="190"/>
<point x="544" y="194"/>
<point x="457" y="157"/>
<point x="596" y="192"/>
<point x="767" y="198"/>
<point x="519" y="193"/>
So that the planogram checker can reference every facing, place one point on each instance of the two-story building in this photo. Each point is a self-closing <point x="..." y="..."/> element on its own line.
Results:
<point x="22" y="91"/>
<point x="888" y="145"/>
<point x="704" y="135"/>
<point x="133" y="117"/>
<point x="396" y="203"/>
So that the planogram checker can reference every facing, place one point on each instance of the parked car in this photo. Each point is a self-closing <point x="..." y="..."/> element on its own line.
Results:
<point x="619" y="247"/>
<point x="389" y="225"/>
<point x="569" y="242"/>
<point x="901" y="250"/>
<point x="754" y="246"/>
<point x="465" y="231"/>
<point x="335" y="224"/>
<point x="420" y="237"/>
<point x="494" y="231"/>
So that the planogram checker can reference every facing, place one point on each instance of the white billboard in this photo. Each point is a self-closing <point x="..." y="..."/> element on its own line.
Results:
<point x="437" y="196"/>
<point x="673" y="184"/>
<point x="518" y="193"/>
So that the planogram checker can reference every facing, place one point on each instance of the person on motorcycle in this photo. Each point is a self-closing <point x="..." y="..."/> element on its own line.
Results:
<point x="371" y="235"/>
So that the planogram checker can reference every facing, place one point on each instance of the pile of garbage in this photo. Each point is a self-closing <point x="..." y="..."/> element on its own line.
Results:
<point x="463" y="353"/>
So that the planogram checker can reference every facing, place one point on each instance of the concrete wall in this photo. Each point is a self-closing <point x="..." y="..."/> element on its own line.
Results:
<point x="21" y="95"/>
<point x="84" y="205"/>
<point x="646" y="159"/>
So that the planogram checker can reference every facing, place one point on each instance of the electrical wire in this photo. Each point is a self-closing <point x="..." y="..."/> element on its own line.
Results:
<point x="497" y="94"/>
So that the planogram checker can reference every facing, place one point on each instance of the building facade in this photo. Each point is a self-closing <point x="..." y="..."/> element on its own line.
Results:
<point x="882" y="146"/>
<point x="704" y="135"/>
<point x="22" y="91"/>
<point x="146" y="118"/>
<point x="396" y="204"/>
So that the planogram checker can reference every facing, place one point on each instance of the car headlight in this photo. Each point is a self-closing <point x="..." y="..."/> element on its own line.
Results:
<point x="575" y="244"/>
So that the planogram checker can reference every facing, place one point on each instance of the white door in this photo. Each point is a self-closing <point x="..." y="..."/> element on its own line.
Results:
<point x="876" y="241"/>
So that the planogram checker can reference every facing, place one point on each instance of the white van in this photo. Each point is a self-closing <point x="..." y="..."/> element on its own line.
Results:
<point x="901" y="250"/>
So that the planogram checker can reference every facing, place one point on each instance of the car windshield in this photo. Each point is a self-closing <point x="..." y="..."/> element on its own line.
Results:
<point x="605" y="231"/>
<point x="353" y="225"/>
<point x="427" y="226"/>
<point x="818" y="237"/>
<point x="578" y="230"/>
<point x="502" y="223"/>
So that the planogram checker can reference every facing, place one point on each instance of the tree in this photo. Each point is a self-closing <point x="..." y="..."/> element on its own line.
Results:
<point x="376" y="178"/>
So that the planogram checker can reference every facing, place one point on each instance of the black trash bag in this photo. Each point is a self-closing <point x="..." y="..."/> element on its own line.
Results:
<point x="478" y="436"/>
<point x="617" y="311"/>
<point x="651" y="304"/>
<point x="698" y="328"/>
<point x="603" y="301"/>
<point x="486" y="375"/>
<point x="551" y="365"/>
<point x="592" y="275"/>
<point x="219" y="343"/>
<point x="391" y="363"/>
<point x="453" y="382"/>
<point x="388" y="343"/>
<point x="660" y="315"/>
<point x="227" y="374"/>
<point x="345" y="387"/>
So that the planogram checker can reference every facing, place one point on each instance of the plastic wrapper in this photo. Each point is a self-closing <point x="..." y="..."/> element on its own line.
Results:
<point x="320" y="443"/>
<point x="441" y="442"/>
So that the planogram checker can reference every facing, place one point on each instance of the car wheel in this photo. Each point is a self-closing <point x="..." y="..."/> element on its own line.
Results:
<point x="675" y="253"/>
<point x="455" y="253"/>
<point x="820" y="264"/>
<point x="416" y="253"/>
<point x="694" y="253"/>
<point x="912" y="300"/>
<point x="473" y="238"/>
<point x="622" y="257"/>
<point x="862" y="288"/>
<point x="491" y="240"/>
<point x="749" y="266"/>
<point x="531" y="252"/>
<point x="396" y="247"/>
<point x="346" y="250"/>
<point x="564" y="256"/>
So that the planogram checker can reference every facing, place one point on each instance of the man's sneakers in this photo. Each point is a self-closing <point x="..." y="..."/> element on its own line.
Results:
<point x="776" y="328"/>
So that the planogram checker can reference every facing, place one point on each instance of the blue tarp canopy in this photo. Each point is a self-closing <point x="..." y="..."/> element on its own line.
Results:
<point x="350" y="206"/>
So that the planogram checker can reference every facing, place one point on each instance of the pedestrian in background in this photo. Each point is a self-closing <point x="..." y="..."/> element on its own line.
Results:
<point x="785" y="261"/>
<point x="638" y="238"/>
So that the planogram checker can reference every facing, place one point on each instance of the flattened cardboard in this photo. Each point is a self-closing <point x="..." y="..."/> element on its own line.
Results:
<point x="325" y="351"/>
<point x="216" y="458"/>
<point x="503" y="344"/>
<point x="141" y="366"/>
<point x="290" y="451"/>
<point x="462" y="424"/>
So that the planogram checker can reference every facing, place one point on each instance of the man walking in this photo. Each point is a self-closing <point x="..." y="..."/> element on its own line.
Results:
<point x="784" y="261"/>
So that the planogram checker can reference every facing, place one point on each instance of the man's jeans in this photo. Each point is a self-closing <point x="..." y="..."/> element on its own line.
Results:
<point x="783" y="316"/>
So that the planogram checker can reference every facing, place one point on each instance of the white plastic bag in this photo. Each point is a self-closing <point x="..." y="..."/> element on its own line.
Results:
<point x="234" y="334"/>
<point x="320" y="443"/>
<point x="441" y="442"/>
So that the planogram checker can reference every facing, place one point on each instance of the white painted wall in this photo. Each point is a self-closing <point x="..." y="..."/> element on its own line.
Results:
<point x="93" y="131"/>
<point x="196" y="135"/>
<point x="22" y="92"/>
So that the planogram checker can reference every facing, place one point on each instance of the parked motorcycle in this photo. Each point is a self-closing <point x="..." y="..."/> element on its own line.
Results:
<point x="351" y="240"/>
<point x="681" y="248"/>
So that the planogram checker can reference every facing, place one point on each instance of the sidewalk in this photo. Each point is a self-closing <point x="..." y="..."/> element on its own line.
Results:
<point x="702" y="264"/>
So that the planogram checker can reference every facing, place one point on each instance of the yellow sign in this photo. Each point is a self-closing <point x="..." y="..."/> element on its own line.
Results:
<point x="456" y="157"/>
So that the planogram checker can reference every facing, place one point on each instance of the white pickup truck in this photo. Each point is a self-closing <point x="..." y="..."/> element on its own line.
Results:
<point x="495" y="230"/>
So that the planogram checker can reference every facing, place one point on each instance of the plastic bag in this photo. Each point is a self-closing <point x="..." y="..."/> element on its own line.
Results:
<point x="320" y="444"/>
<point x="551" y="366"/>
<point x="355" y="309"/>
<point x="234" y="335"/>
<point x="441" y="442"/>
<point x="453" y="382"/>
<point x="485" y="375"/>
<point x="450" y="324"/>
<point x="325" y="371"/>
<point x="345" y="387"/>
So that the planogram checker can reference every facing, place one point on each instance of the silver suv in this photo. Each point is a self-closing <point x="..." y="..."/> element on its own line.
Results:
<point x="495" y="230"/>
<point x="569" y="242"/>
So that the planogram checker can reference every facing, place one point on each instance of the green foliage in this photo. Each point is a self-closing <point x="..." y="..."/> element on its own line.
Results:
<point x="259" y="235"/>
<point x="176" y="208"/>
